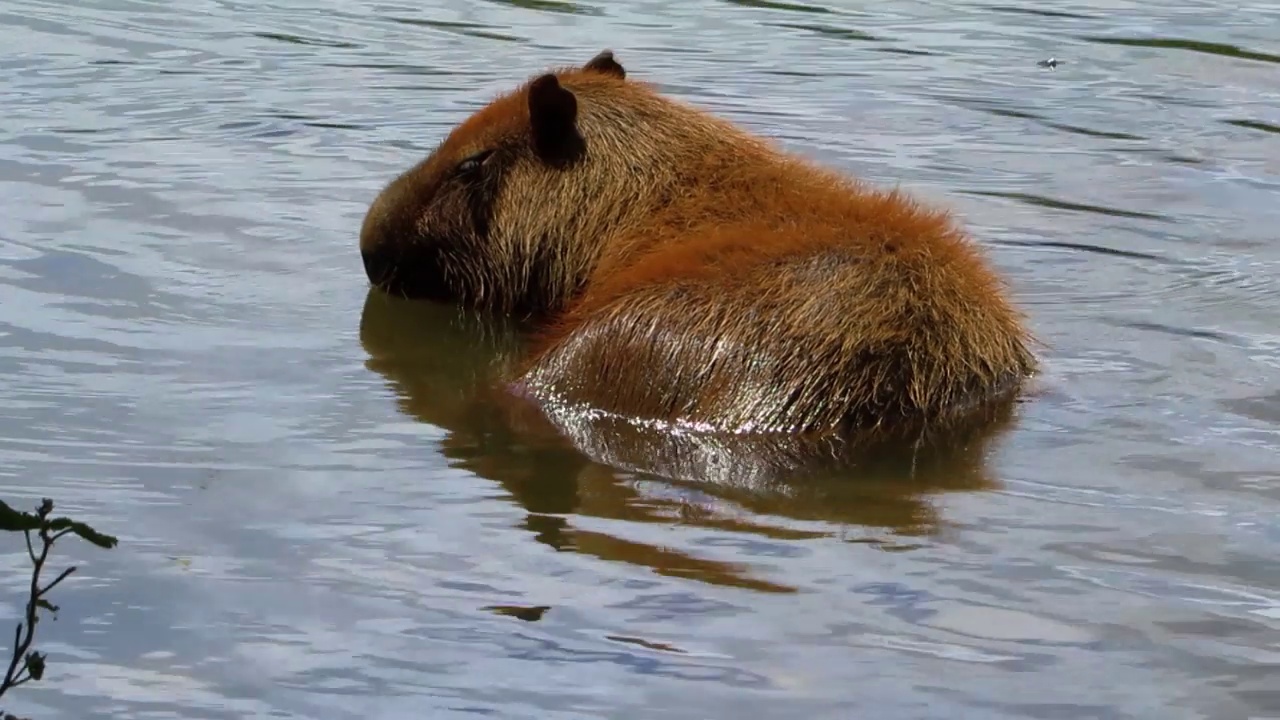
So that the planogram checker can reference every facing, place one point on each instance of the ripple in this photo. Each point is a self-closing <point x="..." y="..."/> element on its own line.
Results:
<point x="303" y="40"/>
<point x="532" y="613"/>
<point x="553" y="6"/>
<point x="1041" y="13"/>
<point x="1055" y="204"/>
<point x="1179" y="331"/>
<point x="1001" y="111"/>
<point x="1254" y="125"/>
<point x="774" y="5"/>
<point x="1209" y="48"/>
<point x="829" y="31"/>
<point x="994" y="623"/>
<point x="1083" y="247"/>
<point x="1226" y="279"/>
<point x="460" y="28"/>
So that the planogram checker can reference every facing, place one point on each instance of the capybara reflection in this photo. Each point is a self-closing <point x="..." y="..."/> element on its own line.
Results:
<point x="685" y="273"/>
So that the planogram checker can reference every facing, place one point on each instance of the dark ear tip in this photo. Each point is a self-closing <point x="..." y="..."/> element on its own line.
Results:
<point x="606" y="63"/>
<point x="547" y="81"/>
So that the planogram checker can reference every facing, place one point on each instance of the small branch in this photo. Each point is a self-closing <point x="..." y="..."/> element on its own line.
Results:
<point x="26" y="664"/>
<point x="57" y="580"/>
<point x="21" y="680"/>
<point x="22" y="640"/>
<point x="17" y="656"/>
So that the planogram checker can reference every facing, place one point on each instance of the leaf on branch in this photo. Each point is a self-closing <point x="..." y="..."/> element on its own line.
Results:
<point x="102" y="540"/>
<point x="15" y="520"/>
<point x="35" y="665"/>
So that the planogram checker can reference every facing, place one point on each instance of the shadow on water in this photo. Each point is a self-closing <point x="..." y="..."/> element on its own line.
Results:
<point x="443" y="364"/>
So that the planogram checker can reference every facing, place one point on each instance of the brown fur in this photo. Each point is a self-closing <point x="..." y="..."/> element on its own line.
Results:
<point x="693" y="274"/>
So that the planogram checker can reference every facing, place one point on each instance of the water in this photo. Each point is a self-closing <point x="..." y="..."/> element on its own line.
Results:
<point x="319" y="519"/>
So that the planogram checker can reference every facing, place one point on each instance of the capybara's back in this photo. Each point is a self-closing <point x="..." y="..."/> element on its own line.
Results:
<point x="687" y="273"/>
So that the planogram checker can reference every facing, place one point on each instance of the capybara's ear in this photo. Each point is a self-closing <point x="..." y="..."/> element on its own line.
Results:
<point x="553" y="112"/>
<point x="605" y="63"/>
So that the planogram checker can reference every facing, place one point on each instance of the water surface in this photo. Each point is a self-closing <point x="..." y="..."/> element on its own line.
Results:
<point x="321" y="517"/>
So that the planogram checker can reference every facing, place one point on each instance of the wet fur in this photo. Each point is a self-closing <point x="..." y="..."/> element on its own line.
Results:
<point x="685" y="272"/>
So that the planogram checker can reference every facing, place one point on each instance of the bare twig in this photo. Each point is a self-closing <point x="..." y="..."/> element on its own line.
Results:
<point x="25" y="632"/>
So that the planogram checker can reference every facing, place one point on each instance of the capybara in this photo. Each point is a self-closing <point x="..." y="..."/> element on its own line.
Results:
<point x="685" y="273"/>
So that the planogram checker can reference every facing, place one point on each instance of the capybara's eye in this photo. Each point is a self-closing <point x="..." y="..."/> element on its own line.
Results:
<point x="474" y="162"/>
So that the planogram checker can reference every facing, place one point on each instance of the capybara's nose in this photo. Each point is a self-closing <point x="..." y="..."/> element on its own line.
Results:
<point x="378" y="265"/>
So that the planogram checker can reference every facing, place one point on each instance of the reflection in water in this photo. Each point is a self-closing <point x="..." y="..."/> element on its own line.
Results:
<point x="444" y="363"/>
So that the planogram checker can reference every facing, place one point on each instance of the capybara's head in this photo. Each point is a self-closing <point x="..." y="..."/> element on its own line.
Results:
<point x="507" y="212"/>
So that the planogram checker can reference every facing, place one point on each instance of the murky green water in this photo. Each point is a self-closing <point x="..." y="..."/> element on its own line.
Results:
<point x="320" y="518"/>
